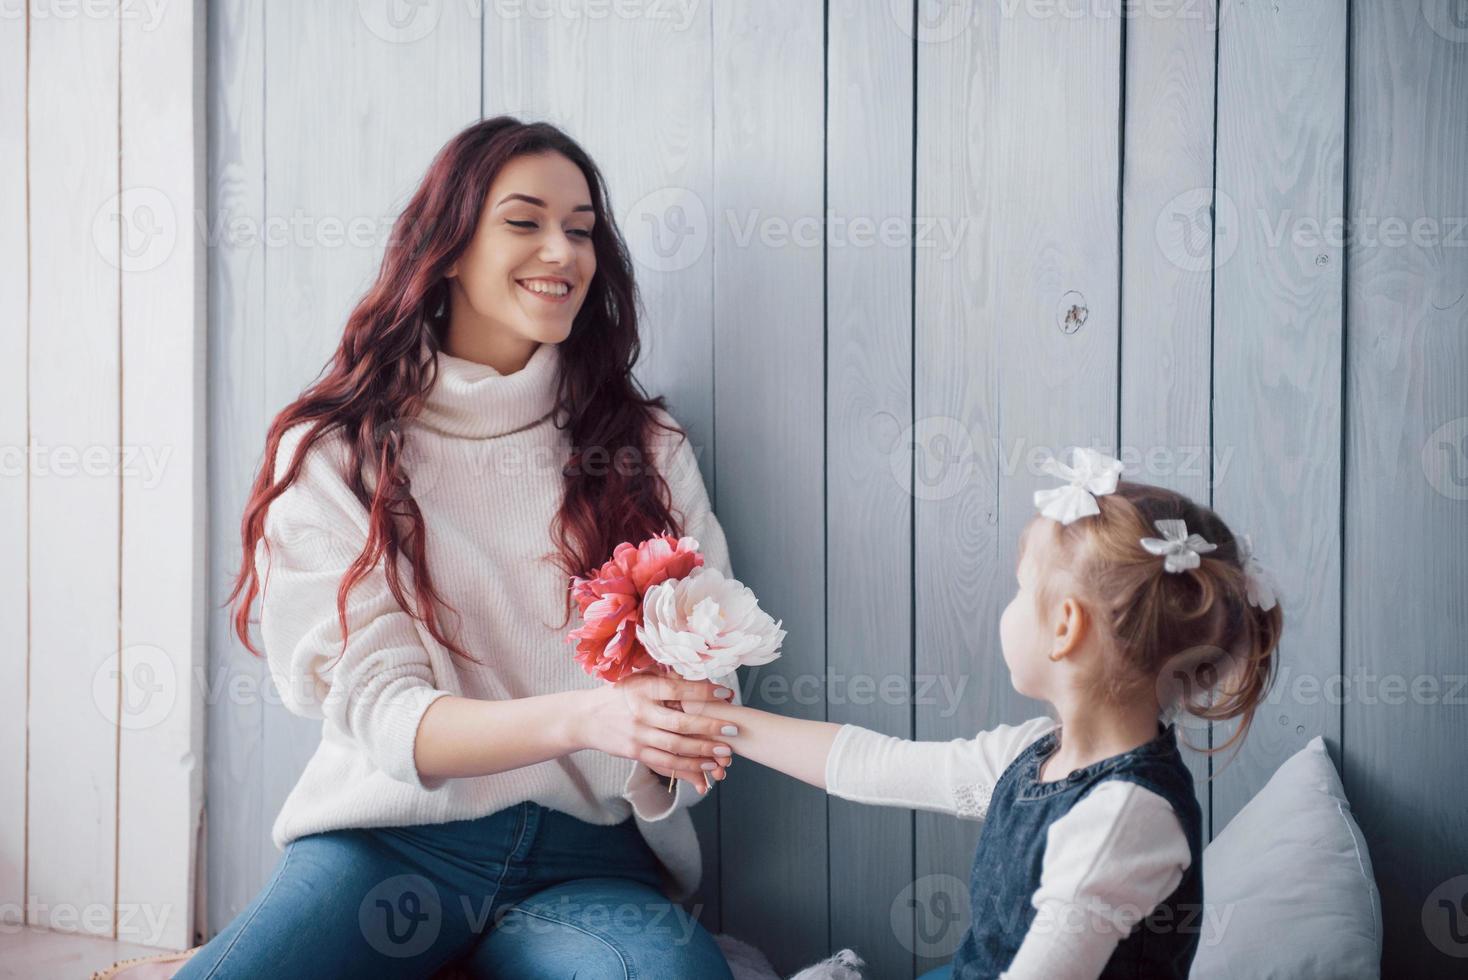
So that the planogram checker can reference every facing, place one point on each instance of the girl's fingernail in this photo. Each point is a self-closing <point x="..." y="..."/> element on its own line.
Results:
<point x="722" y="750"/>
<point x="729" y="730"/>
<point x="722" y="692"/>
<point x="710" y="766"/>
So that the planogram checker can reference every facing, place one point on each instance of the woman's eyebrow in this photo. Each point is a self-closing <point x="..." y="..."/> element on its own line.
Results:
<point x="538" y="202"/>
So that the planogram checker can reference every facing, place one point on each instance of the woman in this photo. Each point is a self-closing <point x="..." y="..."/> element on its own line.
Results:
<point x="476" y="798"/>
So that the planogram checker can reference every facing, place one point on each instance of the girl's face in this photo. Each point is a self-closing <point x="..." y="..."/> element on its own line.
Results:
<point x="527" y="269"/>
<point x="1024" y="635"/>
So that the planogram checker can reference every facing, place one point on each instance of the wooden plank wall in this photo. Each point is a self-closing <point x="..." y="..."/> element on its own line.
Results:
<point x="103" y="488"/>
<point x="1109" y="229"/>
<point x="71" y="846"/>
<point x="238" y="823"/>
<point x="1278" y="336"/>
<point x="1406" y="489"/>
<point x="959" y="576"/>
<point x="161" y="610"/>
<point x="14" y="421"/>
<point x="868" y="406"/>
<point x="770" y="443"/>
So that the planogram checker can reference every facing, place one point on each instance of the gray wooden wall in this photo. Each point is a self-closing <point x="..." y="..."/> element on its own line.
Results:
<point x="1018" y="256"/>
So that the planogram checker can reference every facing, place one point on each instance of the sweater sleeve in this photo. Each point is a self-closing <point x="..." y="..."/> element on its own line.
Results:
<point x="955" y="777"/>
<point x="1108" y="863"/>
<point x="375" y="691"/>
<point x="678" y="463"/>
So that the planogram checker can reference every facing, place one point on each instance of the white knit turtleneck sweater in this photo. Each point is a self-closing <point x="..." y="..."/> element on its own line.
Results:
<point x="485" y="461"/>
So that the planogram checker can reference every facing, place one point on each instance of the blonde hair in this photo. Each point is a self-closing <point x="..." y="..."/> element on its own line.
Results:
<point x="1191" y="635"/>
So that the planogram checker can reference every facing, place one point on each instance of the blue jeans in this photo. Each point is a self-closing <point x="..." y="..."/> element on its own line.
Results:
<point x="526" y="892"/>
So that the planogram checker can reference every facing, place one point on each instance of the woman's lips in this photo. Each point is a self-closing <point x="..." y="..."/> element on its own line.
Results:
<point x="547" y="297"/>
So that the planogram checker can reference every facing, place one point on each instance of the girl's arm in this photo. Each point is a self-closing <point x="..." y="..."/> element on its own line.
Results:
<point x="794" y="746"/>
<point x="854" y="763"/>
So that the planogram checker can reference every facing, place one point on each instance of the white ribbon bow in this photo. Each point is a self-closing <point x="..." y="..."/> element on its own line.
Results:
<point x="1090" y="474"/>
<point x="1180" y="550"/>
<point x="1260" y="586"/>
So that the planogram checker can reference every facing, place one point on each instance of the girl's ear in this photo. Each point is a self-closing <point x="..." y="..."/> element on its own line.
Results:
<point x="1071" y="624"/>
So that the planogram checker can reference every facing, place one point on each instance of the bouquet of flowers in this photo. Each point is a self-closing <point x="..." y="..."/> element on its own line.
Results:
<point x="656" y="606"/>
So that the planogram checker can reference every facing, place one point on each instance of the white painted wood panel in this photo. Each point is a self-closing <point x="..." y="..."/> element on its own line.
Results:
<point x="104" y="589"/>
<point x="164" y="502"/>
<point x="14" y="498"/>
<point x="75" y="493"/>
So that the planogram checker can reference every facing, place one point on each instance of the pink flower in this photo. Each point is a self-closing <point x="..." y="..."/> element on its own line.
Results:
<point x="611" y="603"/>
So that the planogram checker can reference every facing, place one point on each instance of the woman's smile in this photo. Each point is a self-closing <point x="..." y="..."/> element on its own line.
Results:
<point x="551" y="290"/>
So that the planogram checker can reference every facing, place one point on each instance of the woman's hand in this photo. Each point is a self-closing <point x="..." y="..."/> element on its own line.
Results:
<point x="630" y="720"/>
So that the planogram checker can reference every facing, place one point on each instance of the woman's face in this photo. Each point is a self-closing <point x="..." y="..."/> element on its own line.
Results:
<point x="526" y="271"/>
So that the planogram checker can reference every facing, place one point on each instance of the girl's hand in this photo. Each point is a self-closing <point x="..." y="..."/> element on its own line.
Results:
<point x="794" y="746"/>
<point x="629" y="720"/>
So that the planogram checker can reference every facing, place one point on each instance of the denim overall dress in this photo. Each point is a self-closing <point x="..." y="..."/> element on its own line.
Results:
<point x="1006" y="871"/>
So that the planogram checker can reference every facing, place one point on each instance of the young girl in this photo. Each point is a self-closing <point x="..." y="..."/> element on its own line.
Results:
<point x="1089" y="860"/>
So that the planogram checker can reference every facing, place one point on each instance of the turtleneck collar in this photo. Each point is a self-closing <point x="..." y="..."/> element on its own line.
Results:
<point x="474" y="401"/>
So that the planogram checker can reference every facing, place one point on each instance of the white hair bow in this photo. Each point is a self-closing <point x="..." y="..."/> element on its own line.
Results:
<point x="1090" y="474"/>
<point x="1180" y="550"/>
<point x="1260" y="586"/>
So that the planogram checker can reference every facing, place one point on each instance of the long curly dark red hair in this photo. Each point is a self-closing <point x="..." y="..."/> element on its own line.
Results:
<point x="377" y="378"/>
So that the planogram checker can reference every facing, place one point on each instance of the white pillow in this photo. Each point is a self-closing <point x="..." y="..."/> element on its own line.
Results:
<point x="1288" y="886"/>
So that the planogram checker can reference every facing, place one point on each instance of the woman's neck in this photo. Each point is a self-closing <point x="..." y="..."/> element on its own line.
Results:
<point x="472" y="338"/>
<point x="1091" y="731"/>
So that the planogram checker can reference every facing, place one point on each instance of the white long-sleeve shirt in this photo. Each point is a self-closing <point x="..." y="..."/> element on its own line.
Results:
<point x="1108" y="862"/>
<point x="485" y="462"/>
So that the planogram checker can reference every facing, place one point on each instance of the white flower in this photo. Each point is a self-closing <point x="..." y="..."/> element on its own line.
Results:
<point x="705" y="625"/>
